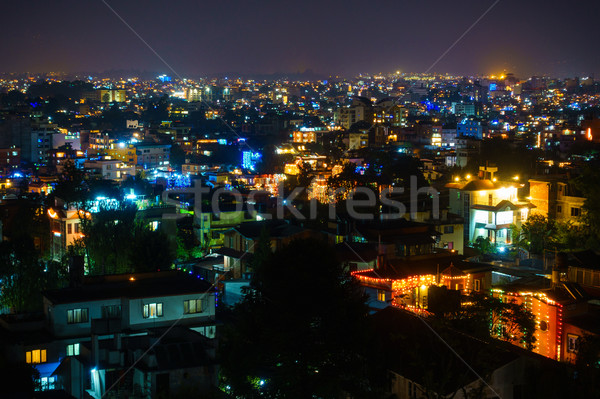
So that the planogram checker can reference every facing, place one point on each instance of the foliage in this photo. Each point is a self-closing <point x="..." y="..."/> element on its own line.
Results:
<point x="149" y="250"/>
<point x="116" y="242"/>
<point x="539" y="232"/>
<point x="262" y="252"/>
<point x="298" y="331"/>
<point x="22" y="275"/>
<point x="589" y="185"/>
<point x="489" y="316"/>
<point x="108" y="238"/>
<point x="483" y="245"/>
<point x="176" y="157"/>
<point x="71" y="186"/>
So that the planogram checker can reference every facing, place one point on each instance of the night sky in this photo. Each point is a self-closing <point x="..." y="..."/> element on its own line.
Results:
<point x="343" y="37"/>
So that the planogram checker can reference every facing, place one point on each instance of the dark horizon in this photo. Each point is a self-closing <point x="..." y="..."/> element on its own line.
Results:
<point x="330" y="38"/>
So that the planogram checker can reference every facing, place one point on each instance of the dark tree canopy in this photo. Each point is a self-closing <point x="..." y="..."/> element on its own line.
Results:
<point x="299" y="331"/>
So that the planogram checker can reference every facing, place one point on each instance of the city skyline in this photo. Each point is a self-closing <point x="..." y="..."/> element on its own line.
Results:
<point x="330" y="38"/>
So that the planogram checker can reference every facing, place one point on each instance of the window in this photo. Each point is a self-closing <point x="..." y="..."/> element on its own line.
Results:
<point x="46" y="383"/>
<point x="73" y="349"/>
<point x="75" y="316"/>
<point x="477" y="286"/>
<point x="572" y="343"/>
<point x="152" y="310"/>
<point x="381" y="295"/>
<point x="558" y="209"/>
<point x="192" y="306"/>
<point x="36" y="356"/>
<point x="448" y="229"/>
<point x="69" y="228"/>
<point x="575" y="211"/>
<point x="76" y="228"/>
<point x="111" y="311"/>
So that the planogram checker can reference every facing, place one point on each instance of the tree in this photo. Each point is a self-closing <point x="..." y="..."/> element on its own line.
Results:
<point x="150" y="250"/>
<point x="262" y="252"/>
<point x="21" y="274"/>
<point x="299" y="329"/>
<point x="539" y="232"/>
<point x="589" y="185"/>
<point x="483" y="245"/>
<point x="108" y="237"/>
<point x="488" y="316"/>
<point x="71" y="184"/>
<point x="177" y="157"/>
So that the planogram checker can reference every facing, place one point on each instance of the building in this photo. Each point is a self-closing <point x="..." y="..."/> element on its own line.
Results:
<point x="10" y="158"/>
<point x="122" y="151"/>
<point x="469" y="128"/>
<point x="421" y="364"/>
<point x="308" y="135"/>
<point x="239" y="243"/>
<point x="153" y="155"/>
<point x="555" y="198"/>
<point x="106" y="95"/>
<point x="99" y="328"/>
<point x="111" y="169"/>
<point x="488" y="208"/>
<point x="361" y="109"/>
<point x="65" y="229"/>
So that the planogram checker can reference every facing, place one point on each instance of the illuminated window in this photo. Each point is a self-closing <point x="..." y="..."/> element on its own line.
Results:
<point x="572" y="343"/>
<point x="73" y="349"/>
<point x="36" y="356"/>
<point x="381" y="295"/>
<point x="75" y="316"/>
<point x="46" y="383"/>
<point x="153" y="310"/>
<point x="192" y="306"/>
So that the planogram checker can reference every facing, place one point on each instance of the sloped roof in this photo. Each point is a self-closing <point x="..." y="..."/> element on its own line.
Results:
<point x="453" y="271"/>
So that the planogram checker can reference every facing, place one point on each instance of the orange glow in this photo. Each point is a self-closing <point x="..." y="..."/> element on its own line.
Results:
<point x="52" y="214"/>
<point x="589" y="134"/>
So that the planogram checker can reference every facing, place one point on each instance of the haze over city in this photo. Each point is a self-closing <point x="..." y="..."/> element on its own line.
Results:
<point x="328" y="37"/>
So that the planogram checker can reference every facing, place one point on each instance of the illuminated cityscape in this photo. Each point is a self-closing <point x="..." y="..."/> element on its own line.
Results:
<point x="172" y="229"/>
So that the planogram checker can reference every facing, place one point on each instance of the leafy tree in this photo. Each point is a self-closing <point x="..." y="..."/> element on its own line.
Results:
<point x="71" y="186"/>
<point x="488" y="316"/>
<point x="298" y="331"/>
<point x="262" y="252"/>
<point x="108" y="237"/>
<point x="150" y="250"/>
<point x="483" y="245"/>
<point x="21" y="274"/>
<point x="177" y="157"/>
<point x="539" y="232"/>
<point x="589" y="185"/>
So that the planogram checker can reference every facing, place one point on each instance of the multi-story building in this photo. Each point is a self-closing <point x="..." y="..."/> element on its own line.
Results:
<point x="469" y="128"/>
<point x="111" y="169"/>
<point x="153" y="155"/>
<point x="556" y="198"/>
<point x="10" y="158"/>
<point x="96" y="330"/>
<point x="488" y="208"/>
<point x="361" y="109"/>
